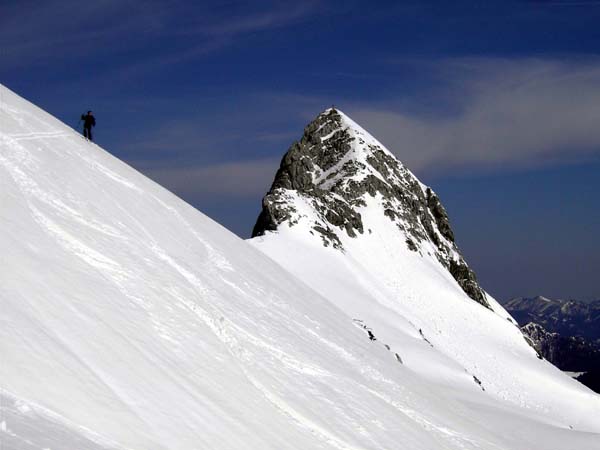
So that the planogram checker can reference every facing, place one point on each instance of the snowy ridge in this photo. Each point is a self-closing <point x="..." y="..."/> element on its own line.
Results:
<point x="132" y="321"/>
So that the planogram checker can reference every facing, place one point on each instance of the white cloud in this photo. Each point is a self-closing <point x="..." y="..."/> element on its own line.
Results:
<point x="240" y="179"/>
<point x="505" y="113"/>
<point x="488" y="113"/>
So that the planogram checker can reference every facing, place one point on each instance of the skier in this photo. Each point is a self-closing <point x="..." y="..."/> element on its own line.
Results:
<point x="89" y="121"/>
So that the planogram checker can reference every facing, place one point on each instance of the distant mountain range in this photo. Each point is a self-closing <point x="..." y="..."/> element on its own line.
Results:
<point x="565" y="332"/>
<point x="566" y="317"/>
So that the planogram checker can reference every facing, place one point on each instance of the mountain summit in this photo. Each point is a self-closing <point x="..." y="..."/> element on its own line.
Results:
<point x="336" y="168"/>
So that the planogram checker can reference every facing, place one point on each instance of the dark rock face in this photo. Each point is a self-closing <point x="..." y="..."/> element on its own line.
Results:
<point x="570" y="353"/>
<point x="333" y="169"/>
<point x="565" y="332"/>
<point x="591" y="379"/>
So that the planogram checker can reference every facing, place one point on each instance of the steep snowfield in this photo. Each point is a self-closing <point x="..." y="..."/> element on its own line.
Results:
<point x="129" y="320"/>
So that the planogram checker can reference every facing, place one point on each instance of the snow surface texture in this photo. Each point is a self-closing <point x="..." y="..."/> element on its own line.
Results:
<point x="129" y="320"/>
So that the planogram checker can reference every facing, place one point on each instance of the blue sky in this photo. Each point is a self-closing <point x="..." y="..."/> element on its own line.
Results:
<point x="495" y="105"/>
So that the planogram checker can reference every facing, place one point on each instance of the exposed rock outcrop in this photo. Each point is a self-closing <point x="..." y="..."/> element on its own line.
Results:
<point x="334" y="169"/>
<point x="570" y="353"/>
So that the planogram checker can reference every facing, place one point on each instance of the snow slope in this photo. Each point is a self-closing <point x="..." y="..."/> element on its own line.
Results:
<point x="129" y="320"/>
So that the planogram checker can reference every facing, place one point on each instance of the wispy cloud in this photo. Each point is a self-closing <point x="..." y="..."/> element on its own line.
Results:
<point x="33" y="32"/>
<point x="496" y="113"/>
<point x="251" y="125"/>
<point x="276" y="16"/>
<point x="240" y="179"/>
<point x="232" y="151"/>
<point x="493" y="114"/>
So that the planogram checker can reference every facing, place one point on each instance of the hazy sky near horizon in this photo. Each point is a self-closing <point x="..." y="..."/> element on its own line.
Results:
<point x="496" y="105"/>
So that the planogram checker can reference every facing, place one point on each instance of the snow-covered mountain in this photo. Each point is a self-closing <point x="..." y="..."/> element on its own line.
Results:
<point x="335" y="170"/>
<point x="129" y="320"/>
<point x="348" y="218"/>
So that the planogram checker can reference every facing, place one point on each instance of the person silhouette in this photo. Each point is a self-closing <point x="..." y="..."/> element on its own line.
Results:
<point x="89" y="121"/>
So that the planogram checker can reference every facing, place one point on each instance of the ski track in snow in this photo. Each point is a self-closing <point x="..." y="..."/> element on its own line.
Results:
<point x="216" y="259"/>
<point x="112" y="175"/>
<point x="27" y="416"/>
<point x="72" y="244"/>
<point x="33" y="191"/>
<point x="302" y="421"/>
<point x="37" y="136"/>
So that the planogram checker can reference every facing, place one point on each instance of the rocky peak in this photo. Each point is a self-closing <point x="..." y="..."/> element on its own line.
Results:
<point x="334" y="170"/>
